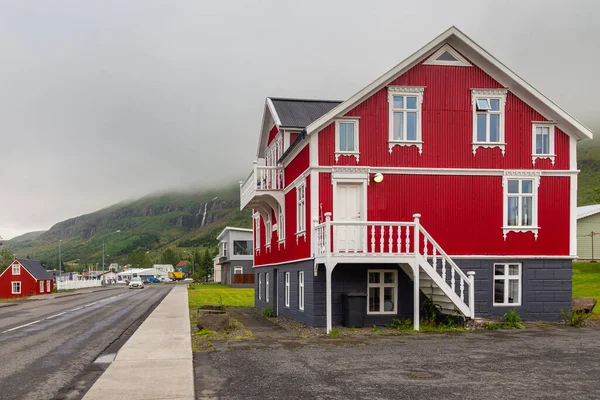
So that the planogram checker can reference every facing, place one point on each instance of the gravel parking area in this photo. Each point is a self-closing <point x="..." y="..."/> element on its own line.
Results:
<point x="532" y="363"/>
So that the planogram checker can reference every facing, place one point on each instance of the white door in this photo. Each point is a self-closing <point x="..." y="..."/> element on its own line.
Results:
<point x="348" y="208"/>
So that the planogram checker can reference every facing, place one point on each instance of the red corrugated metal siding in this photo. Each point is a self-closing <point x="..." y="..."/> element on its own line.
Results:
<point x="272" y="133"/>
<point x="464" y="213"/>
<point x="28" y="284"/>
<point x="298" y="165"/>
<point x="291" y="250"/>
<point x="447" y="127"/>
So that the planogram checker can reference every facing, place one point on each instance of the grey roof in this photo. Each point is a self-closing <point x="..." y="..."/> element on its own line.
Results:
<point x="587" y="211"/>
<point x="299" y="113"/>
<point x="35" y="268"/>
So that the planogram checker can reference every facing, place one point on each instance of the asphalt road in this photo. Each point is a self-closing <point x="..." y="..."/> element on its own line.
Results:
<point x="521" y="364"/>
<point x="48" y="347"/>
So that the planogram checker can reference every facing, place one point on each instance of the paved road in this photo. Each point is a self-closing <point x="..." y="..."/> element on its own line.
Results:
<point x="47" y="347"/>
<point x="532" y="363"/>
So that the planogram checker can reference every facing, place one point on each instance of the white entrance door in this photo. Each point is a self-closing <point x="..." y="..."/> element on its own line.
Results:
<point x="348" y="208"/>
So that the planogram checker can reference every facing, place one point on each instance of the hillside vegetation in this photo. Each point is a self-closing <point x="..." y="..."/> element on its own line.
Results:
<point x="182" y="221"/>
<point x="588" y="162"/>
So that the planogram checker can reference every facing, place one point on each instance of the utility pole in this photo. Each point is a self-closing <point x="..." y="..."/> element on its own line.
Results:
<point x="105" y="236"/>
<point x="592" y="234"/>
<point x="59" y="260"/>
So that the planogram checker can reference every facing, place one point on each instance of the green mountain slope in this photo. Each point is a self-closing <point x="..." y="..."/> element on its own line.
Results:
<point x="588" y="162"/>
<point x="169" y="220"/>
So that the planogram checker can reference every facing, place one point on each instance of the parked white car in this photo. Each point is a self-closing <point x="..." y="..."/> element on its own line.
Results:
<point x="136" y="283"/>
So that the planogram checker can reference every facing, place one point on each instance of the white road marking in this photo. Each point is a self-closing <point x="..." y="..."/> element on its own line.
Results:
<point x="22" y="326"/>
<point x="55" y="315"/>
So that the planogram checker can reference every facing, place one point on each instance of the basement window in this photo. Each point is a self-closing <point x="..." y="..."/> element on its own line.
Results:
<point x="382" y="296"/>
<point x="507" y="284"/>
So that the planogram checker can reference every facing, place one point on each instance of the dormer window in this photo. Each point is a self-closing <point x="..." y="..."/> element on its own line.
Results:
<point x="542" y="142"/>
<point x="488" y="118"/>
<point x="405" y="116"/>
<point x="346" y="138"/>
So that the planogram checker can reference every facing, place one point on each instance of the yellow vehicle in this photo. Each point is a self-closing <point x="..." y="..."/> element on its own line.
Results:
<point x="177" y="275"/>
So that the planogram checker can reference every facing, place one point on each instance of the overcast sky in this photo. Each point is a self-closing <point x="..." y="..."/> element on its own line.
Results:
<point x="102" y="100"/>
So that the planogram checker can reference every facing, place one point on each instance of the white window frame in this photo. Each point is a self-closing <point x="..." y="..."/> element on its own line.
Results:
<point x="499" y="94"/>
<point x="259" y="286"/>
<point x="338" y="152"/>
<point x="287" y="289"/>
<point x="41" y="286"/>
<point x="267" y="287"/>
<point x="534" y="176"/>
<point x="13" y="287"/>
<point x="48" y="286"/>
<point x="507" y="278"/>
<point x="411" y="91"/>
<point x="257" y="232"/>
<point x="268" y="232"/>
<point x="225" y="249"/>
<point x="301" y="210"/>
<point x="551" y="152"/>
<point x="301" y="290"/>
<point x="16" y="269"/>
<point x="280" y="224"/>
<point x="381" y="286"/>
<point x="238" y="268"/>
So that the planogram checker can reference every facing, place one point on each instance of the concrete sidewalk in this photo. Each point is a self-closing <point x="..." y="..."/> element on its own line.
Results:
<point x="156" y="362"/>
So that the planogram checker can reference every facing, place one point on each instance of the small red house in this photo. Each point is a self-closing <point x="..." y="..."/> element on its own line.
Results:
<point x="448" y="178"/>
<point x="25" y="278"/>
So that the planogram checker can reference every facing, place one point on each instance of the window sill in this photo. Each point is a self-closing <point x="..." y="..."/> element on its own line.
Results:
<point x="300" y="234"/>
<point x="507" y="305"/>
<point x="406" y="143"/>
<point x="523" y="229"/>
<point x="382" y="313"/>
<point x="354" y="154"/>
<point x="489" y="145"/>
<point x="534" y="157"/>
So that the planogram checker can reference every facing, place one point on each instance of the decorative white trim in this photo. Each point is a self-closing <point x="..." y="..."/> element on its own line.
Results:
<point x="519" y="257"/>
<point x="507" y="278"/>
<point x="338" y="152"/>
<point x="499" y="94"/>
<point x="551" y="155"/>
<point x="573" y="197"/>
<point x="460" y="60"/>
<point x="450" y="171"/>
<point x="296" y="182"/>
<point x="521" y="175"/>
<point x="413" y="91"/>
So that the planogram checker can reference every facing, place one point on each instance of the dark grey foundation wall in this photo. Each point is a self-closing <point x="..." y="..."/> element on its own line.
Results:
<point x="546" y="287"/>
<point x="229" y="268"/>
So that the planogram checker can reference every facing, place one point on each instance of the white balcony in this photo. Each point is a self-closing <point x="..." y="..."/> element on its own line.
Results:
<point x="264" y="185"/>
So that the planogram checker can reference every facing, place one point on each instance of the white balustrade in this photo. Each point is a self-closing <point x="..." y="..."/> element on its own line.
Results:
<point x="260" y="178"/>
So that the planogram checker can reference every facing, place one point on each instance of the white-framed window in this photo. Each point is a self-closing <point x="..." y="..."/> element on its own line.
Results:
<point x="488" y="118"/>
<point x="268" y="231"/>
<point x="301" y="290"/>
<point x="260" y="286"/>
<point x="382" y="296"/>
<point x="16" y="269"/>
<point x="48" y="286"/>
<point x="280" y="223"/>
<point x="346" y="138"/>
<point x="224" y="249"/>
<point x="16" y="287"/>
<point x="521" y="204"/>
<point x="41" y="286"/>
<point x="405" y="104"/>
<point x="301" y="208"/>
<point x="257" y="231"/>
<point x="238" y="270"/>
<point x="542" y="140"/>
<point x="287" y="289"/>
<point x="507" y="284"/>
<point x="267" y="287"/>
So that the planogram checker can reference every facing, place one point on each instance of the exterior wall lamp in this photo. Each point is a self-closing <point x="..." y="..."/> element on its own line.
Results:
<point x="377" y="178"/>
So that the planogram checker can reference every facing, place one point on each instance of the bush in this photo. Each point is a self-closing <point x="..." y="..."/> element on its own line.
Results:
<point x="401" y="325"/>
<point x="513" y="319"/>
<point x="268" y="312"/>
<point x="376" y="330"/>
<point x="491" y="326"/>
<point x="574" y="318"/>
<point x="430" y="312"/>
<point x="334" y="332"/>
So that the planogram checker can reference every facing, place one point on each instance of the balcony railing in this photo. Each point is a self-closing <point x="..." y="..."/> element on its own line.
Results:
<point x="261" y="178"/>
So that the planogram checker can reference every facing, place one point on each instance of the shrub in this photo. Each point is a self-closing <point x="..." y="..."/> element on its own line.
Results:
<point x="334" y="332"/>
<point x="513" y="319"/>
<point x="574" y="318"/>
<point x="376" y="330"/>
<point x="430" y="312"/>
<point x="401" y="325"/>
<point x="491" y="326"/>
<point x="268" y="312"/>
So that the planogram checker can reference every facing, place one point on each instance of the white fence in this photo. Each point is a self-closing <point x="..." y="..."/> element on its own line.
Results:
<point x="65" y="285"/>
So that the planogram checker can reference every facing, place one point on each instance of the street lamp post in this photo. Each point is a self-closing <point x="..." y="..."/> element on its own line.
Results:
<point x="59" y="261"/>
<point x="193" y="270"/>
<point x="117" y="231"/>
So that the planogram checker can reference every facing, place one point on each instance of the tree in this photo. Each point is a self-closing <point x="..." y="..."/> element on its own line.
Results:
<point x="206" y="262"/>
<point x="139" y="259"/>
<point x="6" y="257"/>
<point x="169" y="257"/>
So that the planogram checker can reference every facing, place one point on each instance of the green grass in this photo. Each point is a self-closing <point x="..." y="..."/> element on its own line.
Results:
<point x="201" y="294"/>
<point x="586" y="281"/>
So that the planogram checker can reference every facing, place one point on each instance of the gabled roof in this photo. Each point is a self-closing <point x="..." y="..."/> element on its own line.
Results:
<point x="587" y="211"/>
<point x="299" y="113"/>
<point x="229" y="228"/>
<point x="483" y="60"/>
<point x="35" y="268"/>
<point x="182" y="263"/>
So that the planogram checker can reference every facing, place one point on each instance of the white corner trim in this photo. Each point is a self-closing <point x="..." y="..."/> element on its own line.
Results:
<point x="551" y="154"/>
<point x="459" y="62"/>
<point x="573" y="198"/>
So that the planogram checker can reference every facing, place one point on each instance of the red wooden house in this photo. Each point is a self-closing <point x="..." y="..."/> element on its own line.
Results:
<point x="449" y="177"/>
<point x="25" y="278"/>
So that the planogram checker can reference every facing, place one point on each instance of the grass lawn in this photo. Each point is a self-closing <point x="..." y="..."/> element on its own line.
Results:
<point x="201" y="294"/>
<point x="586" y="281"/>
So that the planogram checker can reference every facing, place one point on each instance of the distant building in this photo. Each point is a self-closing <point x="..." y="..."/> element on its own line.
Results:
<point x="236" y="257"/>
<point x="217" y="270"/>
<point x="588" y="232"/>
<point x="25" y="278"/>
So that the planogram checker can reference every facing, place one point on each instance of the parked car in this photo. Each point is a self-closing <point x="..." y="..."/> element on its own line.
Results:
<point x="136" y="283"/>
<point x="152" y="280"/>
